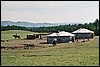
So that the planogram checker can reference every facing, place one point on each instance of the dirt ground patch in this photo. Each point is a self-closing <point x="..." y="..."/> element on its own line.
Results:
<point x="13" y="43"/>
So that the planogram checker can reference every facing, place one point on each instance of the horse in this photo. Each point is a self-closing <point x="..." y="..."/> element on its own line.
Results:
<point x="16" y="36"/>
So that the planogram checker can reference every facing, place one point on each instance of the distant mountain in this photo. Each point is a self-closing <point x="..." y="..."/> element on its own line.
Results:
<point x="29" y="24"/>
<point x="26" y="24"/>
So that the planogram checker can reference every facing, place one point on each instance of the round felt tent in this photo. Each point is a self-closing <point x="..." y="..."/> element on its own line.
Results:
<point x="61" y="37"/>
<point x="83" y="33"/>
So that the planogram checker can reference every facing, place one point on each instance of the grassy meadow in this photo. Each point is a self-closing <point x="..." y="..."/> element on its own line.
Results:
<point x="7" y="35"/>
<point x="63" y="54"/>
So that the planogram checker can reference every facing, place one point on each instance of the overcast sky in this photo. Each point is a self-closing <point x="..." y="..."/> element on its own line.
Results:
<point x="50" y="11"/>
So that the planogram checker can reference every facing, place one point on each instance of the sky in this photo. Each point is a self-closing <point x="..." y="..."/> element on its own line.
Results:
<point x="50" y="11"/>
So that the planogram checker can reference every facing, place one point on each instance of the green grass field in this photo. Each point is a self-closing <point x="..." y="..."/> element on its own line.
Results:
<point x="7" y="35"/>
<point x="63" y="54"/>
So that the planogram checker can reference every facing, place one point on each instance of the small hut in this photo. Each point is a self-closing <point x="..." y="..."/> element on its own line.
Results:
<point x="61" y="37"/>
<point x="30" y="36"/>
<point x="83" y="33"/>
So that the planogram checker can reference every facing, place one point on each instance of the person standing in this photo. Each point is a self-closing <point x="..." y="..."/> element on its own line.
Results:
<point x="54" y="42"/>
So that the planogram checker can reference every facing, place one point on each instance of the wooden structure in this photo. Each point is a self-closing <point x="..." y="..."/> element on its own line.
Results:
<point x="31" y="37"/>
<point x="40" y="36"/>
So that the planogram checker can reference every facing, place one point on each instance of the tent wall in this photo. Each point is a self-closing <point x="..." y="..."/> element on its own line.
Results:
<point x="82" y="35"/>
<point x="60" y="39"/>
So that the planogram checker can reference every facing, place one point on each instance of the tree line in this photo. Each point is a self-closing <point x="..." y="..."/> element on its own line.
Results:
<point x="69" y="28"/>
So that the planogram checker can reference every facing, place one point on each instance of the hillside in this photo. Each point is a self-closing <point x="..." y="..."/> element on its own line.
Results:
<point x="69" y="28"/>
<point x="7" y="35"/>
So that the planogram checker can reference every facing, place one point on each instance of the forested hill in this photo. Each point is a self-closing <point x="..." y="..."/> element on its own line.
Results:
<point x="69" y="28"/>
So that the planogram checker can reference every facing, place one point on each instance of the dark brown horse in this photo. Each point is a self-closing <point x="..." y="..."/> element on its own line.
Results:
<point x="16" y="36"/>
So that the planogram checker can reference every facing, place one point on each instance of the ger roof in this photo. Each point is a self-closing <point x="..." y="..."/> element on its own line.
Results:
<point x="62" y="33"/>
<point x="83" y="30"/>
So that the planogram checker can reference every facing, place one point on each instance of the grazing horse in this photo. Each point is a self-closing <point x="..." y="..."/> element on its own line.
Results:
<point x="16" y="36"/>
